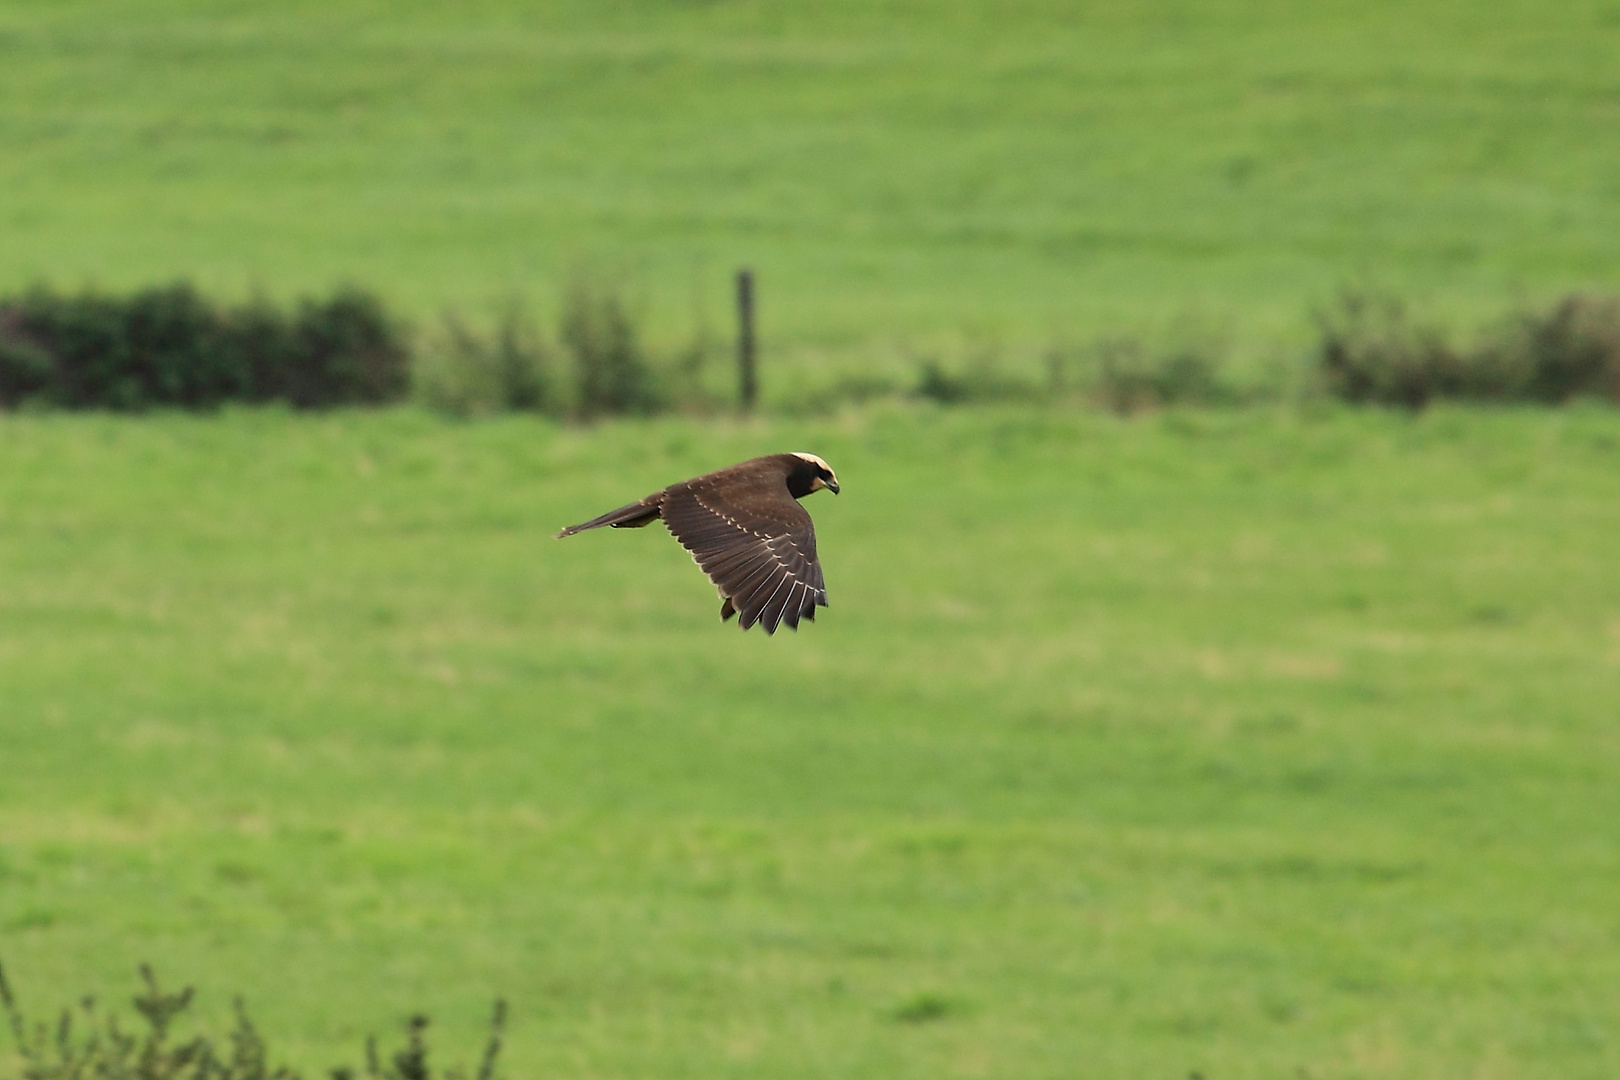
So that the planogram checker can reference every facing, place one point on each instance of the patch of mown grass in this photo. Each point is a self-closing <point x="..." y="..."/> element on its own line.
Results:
<point x="1169" y="742"/>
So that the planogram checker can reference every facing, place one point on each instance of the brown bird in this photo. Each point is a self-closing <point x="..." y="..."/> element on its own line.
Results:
<point x="745" y="528"/>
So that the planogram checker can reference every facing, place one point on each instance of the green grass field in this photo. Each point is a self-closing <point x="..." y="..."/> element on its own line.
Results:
<point x="1252" y="744"/>
<point x="908" y="178"/>
<point x="1256" y="744"/>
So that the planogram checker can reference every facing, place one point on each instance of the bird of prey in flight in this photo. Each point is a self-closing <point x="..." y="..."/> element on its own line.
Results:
<point x="744" y="527"/>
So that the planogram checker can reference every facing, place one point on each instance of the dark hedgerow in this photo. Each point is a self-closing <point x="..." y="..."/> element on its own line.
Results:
<point x="172" y="347"/>
<point x="1130" y="378"/>
<point x="346" y="351"/>
<point x="978" y="379"/>
<point x="593" y="364"/>
<point x="463" y="373"/>
<point x="1372" y="352"/>
<point x="26" y="369"/>
<point x="612" y="373"/>
<point x="1570" y="349"/>
<point x="85" y="1044"/>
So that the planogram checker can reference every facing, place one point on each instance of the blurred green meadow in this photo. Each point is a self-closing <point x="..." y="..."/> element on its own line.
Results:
<point x="910" y="179"/>
<point x="1251" y="744"/>
<point x="1243" y="743"/>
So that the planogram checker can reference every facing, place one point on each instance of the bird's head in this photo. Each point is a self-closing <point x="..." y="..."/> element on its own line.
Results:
<point x="812" y="475"/>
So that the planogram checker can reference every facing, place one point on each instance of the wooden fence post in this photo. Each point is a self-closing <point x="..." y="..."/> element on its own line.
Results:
<point x="748" y="377"/>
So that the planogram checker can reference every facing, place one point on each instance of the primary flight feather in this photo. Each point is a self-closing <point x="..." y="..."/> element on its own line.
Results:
<point x="745" y="528"/>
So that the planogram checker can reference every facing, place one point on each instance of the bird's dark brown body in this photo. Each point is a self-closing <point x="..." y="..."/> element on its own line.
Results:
<point x="745" y="528"/>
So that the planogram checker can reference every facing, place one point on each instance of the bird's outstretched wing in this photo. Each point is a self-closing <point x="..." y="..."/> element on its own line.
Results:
<point x="754" y="540"/>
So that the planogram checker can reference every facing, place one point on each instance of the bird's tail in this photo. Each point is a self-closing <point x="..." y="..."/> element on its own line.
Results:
<point x="634" y="516"/>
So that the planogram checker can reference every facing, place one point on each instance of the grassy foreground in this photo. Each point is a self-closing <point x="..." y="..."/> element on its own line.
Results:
<point x="906" y="175"/>
<point x="1258" y="745"/>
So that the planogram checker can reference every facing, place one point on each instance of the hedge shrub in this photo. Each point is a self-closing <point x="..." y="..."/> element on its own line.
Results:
<point x="170" y="346"/>
<point x="1372" y="351"/>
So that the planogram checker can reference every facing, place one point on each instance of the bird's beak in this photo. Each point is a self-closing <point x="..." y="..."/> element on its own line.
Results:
<point x="832" y="486"/>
